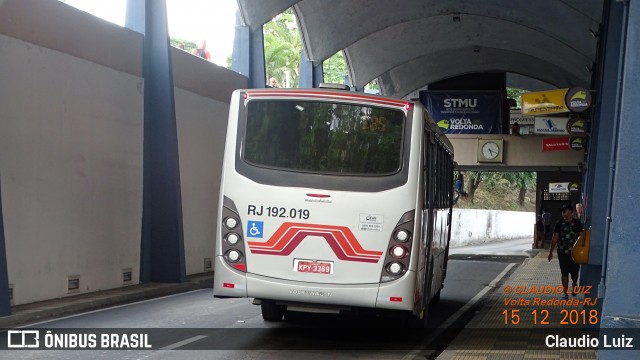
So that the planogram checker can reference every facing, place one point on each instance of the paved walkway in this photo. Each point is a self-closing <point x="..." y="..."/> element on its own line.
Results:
<point x="485" y="338"/>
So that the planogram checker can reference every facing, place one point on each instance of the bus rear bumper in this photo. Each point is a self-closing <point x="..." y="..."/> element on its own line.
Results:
<point x="396" y="295"/>
<point x="227" y="281"/>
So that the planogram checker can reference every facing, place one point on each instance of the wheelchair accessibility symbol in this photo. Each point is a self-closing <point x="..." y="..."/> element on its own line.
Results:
<point x="254" y="229"/>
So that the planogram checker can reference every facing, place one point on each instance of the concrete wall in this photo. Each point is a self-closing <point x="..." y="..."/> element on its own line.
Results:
<point x="472" y="226"/>
<point x="71" y="130"/>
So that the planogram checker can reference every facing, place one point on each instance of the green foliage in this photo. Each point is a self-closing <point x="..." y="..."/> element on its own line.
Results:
<point x="282" y="49"/>
<point x="188" y="45"/>
<point x="335" y="68"/>
<point x="516" y="94"/>
<point x="373" y="85"/>
<point x="499" y="191"/>
<point x="521" y="179"/>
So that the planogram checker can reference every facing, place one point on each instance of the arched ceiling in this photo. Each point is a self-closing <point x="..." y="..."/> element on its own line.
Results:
<point x="409" y="43"/>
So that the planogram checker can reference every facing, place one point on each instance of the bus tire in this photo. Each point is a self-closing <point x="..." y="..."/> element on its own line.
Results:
<point x="436" y="299"/>
<point x="414" y="322"/>
<point x="271" y="311"/>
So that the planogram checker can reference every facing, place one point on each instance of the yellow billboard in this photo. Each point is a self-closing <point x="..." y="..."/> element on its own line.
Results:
<point x="544" y="102"/>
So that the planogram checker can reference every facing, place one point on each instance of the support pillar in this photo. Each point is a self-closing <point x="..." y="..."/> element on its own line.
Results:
<point x="601" y="146"/>
<point x="134" y="18"/>
<point x="311" y="72"/>
<point x="248" y="54"/>
<point x="5" y="302"/>
<point x="162" y="248"/>
<point x="621" y="308"/>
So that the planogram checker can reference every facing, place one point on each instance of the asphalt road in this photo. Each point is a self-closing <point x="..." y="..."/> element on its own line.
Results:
<point x="515" y="247"/>
<point x="234" y="329"/>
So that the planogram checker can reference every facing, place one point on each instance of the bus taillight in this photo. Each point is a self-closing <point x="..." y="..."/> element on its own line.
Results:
<point x="233" y="249"/>
<point x="398" y="255"/>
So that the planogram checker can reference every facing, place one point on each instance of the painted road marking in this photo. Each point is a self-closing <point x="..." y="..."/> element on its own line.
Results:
<point x="183" y="342"/>
<point x="415" y="353"/>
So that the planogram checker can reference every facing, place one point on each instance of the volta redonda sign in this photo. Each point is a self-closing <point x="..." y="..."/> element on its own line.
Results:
<point x="555" y="101"/>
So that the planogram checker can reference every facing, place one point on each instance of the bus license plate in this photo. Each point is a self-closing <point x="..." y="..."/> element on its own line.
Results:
<point x="311" y="266"/>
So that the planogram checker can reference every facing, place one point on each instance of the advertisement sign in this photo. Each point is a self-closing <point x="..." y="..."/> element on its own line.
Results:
<point x="555" y="144"/>
<point x="544" y="102"/>
<point x="551" y="126"/>
<point x="559" y="187"/>
<point x="574" y="187"/>
<point x="578" y="99"/>
<point x="577" y="126"/>
<point x="577" y="143"/>
<point x="465" y="112"/>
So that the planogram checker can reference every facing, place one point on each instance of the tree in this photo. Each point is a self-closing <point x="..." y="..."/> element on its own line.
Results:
<point x="475" y="178"/>
<point x="522" y="181"/>
<point x="188" y="45"/>
<point x="513" y="93"/>
<point x="282" y="48"/>
<point x="335" y="68"/>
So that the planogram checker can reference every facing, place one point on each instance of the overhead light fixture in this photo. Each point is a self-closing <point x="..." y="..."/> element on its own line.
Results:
<point x="456" y="18"/>
<point x="476" y="49"/>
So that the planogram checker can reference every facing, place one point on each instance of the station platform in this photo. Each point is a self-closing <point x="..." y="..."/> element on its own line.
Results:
<point x="487" y="337"/>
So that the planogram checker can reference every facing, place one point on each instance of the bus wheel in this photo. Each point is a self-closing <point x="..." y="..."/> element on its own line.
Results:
<point x="436" y="298"/>
<point x="271" y="311"/>
<point x="412" y="321"/>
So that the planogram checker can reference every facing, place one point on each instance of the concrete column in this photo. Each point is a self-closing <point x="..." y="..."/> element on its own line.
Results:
<point x="134" y="18"/>
<point x="311" y="73"/>
<point x="248" y="54"/>
<point x="601" y="144"/>
<point x="162" y="249"/>
<point x="621" y="308"/>
<point x="5" y="303"/>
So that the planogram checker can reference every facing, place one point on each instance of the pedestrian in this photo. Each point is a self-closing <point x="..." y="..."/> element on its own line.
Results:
<point x="201" y="51"/>
<point x="273" y="83"/>
<point x="539" y="234"/>
<point x="565" y="233"/>
<point x="546" y="222"/>
<point x="515" y="129"/>
<point x="579" y="211"/>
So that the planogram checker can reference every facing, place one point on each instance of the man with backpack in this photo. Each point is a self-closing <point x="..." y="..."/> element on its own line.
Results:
<point x="565" y="233"/>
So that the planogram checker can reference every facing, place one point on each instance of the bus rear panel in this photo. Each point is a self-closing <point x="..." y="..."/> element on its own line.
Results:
<point x="321" y="203"/>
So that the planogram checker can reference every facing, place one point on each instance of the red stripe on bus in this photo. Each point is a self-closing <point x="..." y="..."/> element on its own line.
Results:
<point x="339" y="238"/>
<point x="318" y="195"/>
<point x="326" y="95"/>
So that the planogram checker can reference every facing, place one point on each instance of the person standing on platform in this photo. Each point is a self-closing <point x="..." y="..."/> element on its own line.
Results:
<point x="565" y="233"/>
<point x="546" y="222"/>
<point x="201" y="51"/>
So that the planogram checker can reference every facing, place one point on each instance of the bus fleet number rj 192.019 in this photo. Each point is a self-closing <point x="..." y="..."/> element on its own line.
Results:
<point x="281" y="212"/>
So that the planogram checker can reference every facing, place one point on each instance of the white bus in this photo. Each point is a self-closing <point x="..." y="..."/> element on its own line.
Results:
<point x="333" y="201"/>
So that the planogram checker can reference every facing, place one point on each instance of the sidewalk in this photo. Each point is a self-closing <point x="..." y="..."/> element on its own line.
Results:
<point x="524" y="340"/>
<point x="50" y="309"/>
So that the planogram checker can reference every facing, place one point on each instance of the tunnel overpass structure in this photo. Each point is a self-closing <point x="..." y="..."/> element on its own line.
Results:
<point x="111" y="141"/>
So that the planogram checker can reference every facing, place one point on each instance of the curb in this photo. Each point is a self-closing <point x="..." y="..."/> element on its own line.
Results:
<point x="49" y="310"/>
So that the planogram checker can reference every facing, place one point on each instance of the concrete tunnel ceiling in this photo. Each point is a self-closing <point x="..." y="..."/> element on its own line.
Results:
<point x="411" y="43"/>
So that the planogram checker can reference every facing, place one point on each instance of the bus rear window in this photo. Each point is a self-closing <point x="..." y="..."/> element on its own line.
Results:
<point x="322" y="137"/>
